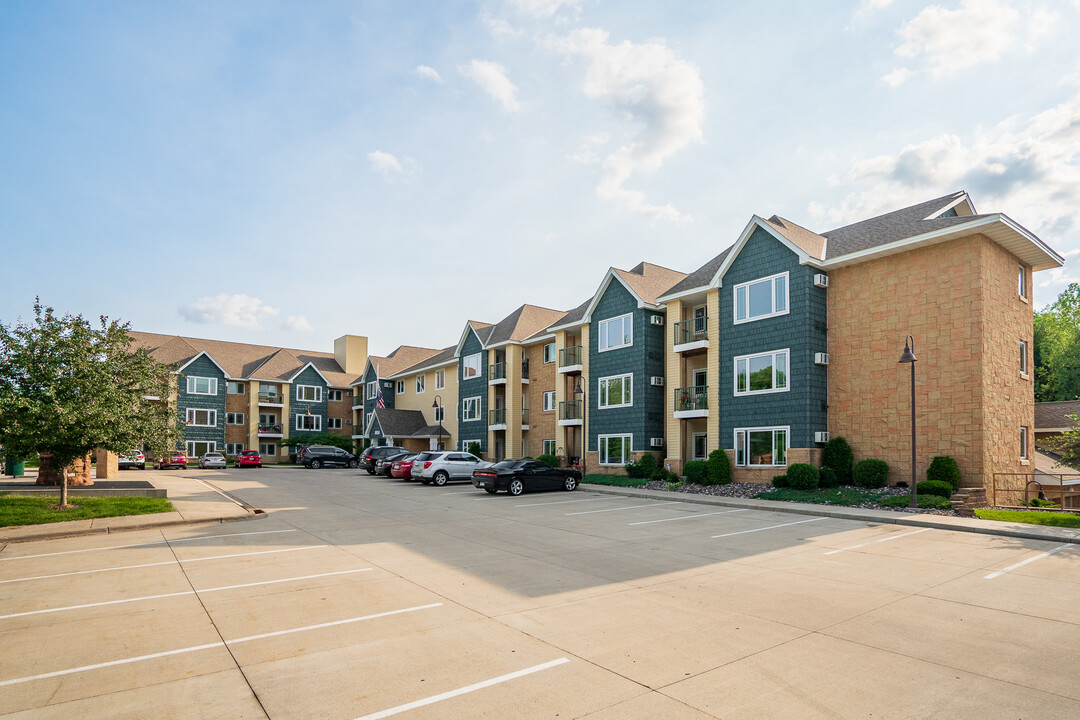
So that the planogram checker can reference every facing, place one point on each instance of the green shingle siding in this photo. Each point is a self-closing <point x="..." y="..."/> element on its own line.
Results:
<point x="203" y="367"/>
<point x="473" y="387"/>
<point x="387" y="391"/>
<point x="301" y="407"/>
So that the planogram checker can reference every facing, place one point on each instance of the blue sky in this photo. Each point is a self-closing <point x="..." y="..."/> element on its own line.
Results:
<point x="286" y="173"/>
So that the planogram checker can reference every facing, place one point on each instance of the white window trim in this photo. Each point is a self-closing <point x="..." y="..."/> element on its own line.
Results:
<point x="317" y="393"/>
<point x="547" y="447"/>
<point x="600" y="334"/>
<point x="1024" y="441"/>
<point x="1021" y="286"/>
<point x="601" y="446"/>
<point x="1023" y="358"/>
<point x="372" y="390"/>
<point x="466" y="443"/>
<point x="211" y="384"/>
<point x="786" y="352"/>
<point x="464" y="408"/>
<point x="211" y="446"/>
<point x="439" y="414"/>
<point x="238" y="418"/>
<point x="237" y="448"/>
<point x="272" y="446"/>
<point x="693" y="445"/>
<point x="772" y="296"/>
<point x="333" y="423"/>
<point x="421" y="381"/>
<point x="330" y="395"/>
<point x="191" y="413"/>
<point x="440" y="379"/>
<point x="554" y="353"/>
<point x="549" y="394"/>
<point x="468" y="361"/>
<point x="628" y="382"/>
<point x="316" y="421"/>
<point x="241" y="387"/>
<point x="746" y="449"/>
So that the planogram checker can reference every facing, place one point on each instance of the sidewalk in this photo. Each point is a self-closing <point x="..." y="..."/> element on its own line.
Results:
<point x="939" y="522"/>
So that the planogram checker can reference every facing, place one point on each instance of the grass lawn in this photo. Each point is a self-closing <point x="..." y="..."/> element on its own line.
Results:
<point x="1054" y="519"/>
<point x="616" y="480"/>
<point x="34" y="509"/>
<point x="832" y="496"/>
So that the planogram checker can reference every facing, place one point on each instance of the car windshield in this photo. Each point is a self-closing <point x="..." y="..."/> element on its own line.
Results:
<point x="213" y="456"/>
<point x="507" y="464"/>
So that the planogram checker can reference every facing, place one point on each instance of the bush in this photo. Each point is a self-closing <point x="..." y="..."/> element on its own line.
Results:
<point x="871" y="473"/>
<point x="549" y="460"/>
<point x="802" y="476"/>
<point x="634" y="470"/>
<point x="935" y="502"/>
<point x="664" y="475"/>
<point x="697" y="471"/>
<point x="474" y="449"/>
<point x="646" y="467"/>
<point x="828" y="478"/>
<point x="943" y="468"/>
<point x="934" y="487"/>
<point x="719" y="468"/>
<point x="838" y="456"/>
<point x="780" y="481"/>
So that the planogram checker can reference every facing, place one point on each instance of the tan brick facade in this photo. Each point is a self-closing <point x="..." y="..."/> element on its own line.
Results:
<point x="542" y="378"/>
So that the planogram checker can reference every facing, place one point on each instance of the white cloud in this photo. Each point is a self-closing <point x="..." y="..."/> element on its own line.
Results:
<point x="428" y="73"/>
<point x="297" y="323"/>
<point x="546" y="8"/>
<point x="241" y="311"/>
<point x="388" y="165"/>
<point x="586" y="154"/>
<point x="652" y="86"/>
<point x="492" y="79"/>
<point x="499" y="28"/>
<point x="897" y="77"/>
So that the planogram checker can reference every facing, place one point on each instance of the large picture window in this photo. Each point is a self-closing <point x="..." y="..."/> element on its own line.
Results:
<point x="334" y="395"/>
<point x="616" y="333"/>
<point x="234" y="418"/>
<point x="309" y="422"/>
<point x="201" y="386"/>
<point x="616" y="391"/>
<point x="198" y="448"/>
<point x="764" y="373"/>
<point x="761" y="447"/>
<point x="234" y="388"/>
<point x="470" y="409"/>
<point x="762" y="298"/>
<point x="470" y="366"/>
<point x="615" y="449"/>
<point x="549" y="447"/>
<point x="201" y="418"/>
<point x="309" y="393"/>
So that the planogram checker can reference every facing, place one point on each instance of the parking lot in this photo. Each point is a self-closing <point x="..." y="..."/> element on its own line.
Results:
<point x="362" y="597"/>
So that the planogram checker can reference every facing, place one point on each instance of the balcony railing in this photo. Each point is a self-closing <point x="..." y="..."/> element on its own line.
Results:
<point x="525" y="416"/>
<point x="525" y="369"/>
<point x="270" y="398"/>
<point x="497" y="416"/>
<point x="570" y="410"/>
<point x="570" y="356"/>
<point x="693" y="330"/>
<point x="695" y="397"/>
<point x="270" y="429"/>
<point x="497" y="371"/>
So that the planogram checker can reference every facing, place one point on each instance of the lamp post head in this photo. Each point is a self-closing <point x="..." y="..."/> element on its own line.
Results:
<point x="577" y="388"/>
<point x="437" y="402"/>
<point x="909" y="355"/>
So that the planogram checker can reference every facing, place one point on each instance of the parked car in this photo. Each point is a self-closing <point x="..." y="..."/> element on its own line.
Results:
<point x="212" y="460"/>
<point x="384" y="465"/>
<point x="402" y="467"/>
<point x="132" y="459"/>
<point x="248" y="458"/>
<point x="171" y="460"/>
<point x="373" y="454"/>
<point x="518" y="476"/>
<point x="317" y="456"/>
<point x="441" y="466"/>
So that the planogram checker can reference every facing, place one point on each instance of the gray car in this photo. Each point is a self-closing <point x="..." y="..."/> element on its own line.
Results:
<point x="212" y="460"/>
<point x="440" y="466"/>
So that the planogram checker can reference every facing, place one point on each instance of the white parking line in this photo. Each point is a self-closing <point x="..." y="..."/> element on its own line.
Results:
<point x="1022" y="563"/>
<point x="154" y="564"/>
<point x="874" y="542"/>
<point x="463" y="690"/>
<point x="175" y="594"/>
<point x="771" y="527"/>
<point x="629" y="507"/>
<point x="563" y="502"/>
<point x="688" y="517"/>
<point x="195" y="648"/>
<point x="146" y="544"/>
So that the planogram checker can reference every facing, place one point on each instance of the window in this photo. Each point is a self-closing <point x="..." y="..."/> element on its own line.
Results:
<point x="1023" y="357"/>
<point x="700" y="377"/>
<point x="310" y="393"/>
<point x="1022" y="283"/>
<point x="309" y="422"/>
<point x="549" y="400"/>
<point x="549" y="353"/>
<point x="1023" y="442"/>
<point x="470" y="366"/>
<point x="699" y="446"/>
<point x="616" y="333"/>
<point x="470" y="409"/>
<point x="234" y="418"/>
<point x="400" y="387"/>
<point x="763" y="373"/>
<point x="614" y="449"/>
<point x="549" y="447"/>
<point x="268" y="449"/>
<point x="198" y="448"/>
<point x="334" y="395"/>
<point x="419" y="384"/>
<point x="234" y="448"/>
<point x="466" y="443"/>
<point x="372" y="390"/>
<point x="700" y="320"/>
<point x="616" y="391"/>
<point x="333" y="423"/>
<point x="234" y="388"/>
<point x="440" y="379"/>
<point x="267" y="419"/>
<point x="440" y="414"/>
<point x="201" y="418"/>
<point x="202" y="386"/>
<point x="761" y="298"/>
<point x="761" y="447"/>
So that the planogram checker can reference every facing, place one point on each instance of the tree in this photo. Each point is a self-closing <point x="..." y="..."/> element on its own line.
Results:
<point x="1067" y="444"/>
<point x="68" y="387"/>
<point x="1056" y="348"/>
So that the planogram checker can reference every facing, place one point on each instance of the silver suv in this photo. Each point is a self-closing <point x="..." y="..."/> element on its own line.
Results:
<point x="440" y="466"/>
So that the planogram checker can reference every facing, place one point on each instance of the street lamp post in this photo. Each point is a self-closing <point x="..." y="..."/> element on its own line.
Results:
<point x="909" y="357"/>
<point x="579" y="390"/>
<point x="438" y="405"/>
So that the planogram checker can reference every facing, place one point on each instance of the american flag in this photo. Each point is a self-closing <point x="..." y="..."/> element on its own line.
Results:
<point x="379" y="402"/>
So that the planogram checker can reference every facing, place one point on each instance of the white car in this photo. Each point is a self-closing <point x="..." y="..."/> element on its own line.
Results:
<point x="132" y="459"/>
<point x="439" y="466"/>
<point x="212" y="460"/>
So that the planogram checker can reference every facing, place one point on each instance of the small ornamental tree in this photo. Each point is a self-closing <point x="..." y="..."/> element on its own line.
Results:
<point x="69" y="386"/>
<point x="837" y="455"/>
<point x="1067" y="445"/>
<point x="474" y="449"/>
<point x="719" y="468"/>
<point x="943" y="468"/>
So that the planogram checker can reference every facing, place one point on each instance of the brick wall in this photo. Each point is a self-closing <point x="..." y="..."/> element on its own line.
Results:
<point x="541" y="379"/>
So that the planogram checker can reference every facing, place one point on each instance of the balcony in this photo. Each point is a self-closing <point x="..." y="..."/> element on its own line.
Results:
<point x="525" y="371"/>
<point x="570" y="412"/>
<point x="497" y="374"/>
<point x="525" y="418"/>
<point x="692" y="401"/>
<point x="570" y="359"/>
<point x="692" y="334"/>
<point x="358" y="399"/>
<point x="270" y="430"/>
<point x="497" y="419"/>
<point x="271" y="399"/>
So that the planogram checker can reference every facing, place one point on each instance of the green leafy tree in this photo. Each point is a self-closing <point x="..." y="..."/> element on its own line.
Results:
<point x="1056" y="351"/>
<point x="69" y="386"/>
<point x="1067" y="445"/>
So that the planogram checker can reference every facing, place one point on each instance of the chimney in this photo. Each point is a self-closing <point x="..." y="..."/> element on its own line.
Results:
<point x="350" y="351"/>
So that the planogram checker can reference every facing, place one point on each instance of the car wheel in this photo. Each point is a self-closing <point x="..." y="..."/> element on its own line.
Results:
<point x="315" y="464"/>
<point x="259" y="466"/>
<point x="490" y="491"/>
<point x="569" y="484"/>
<point x="515" y="487"/>
<point x="353" y="464"/>
<point x="440" y="478"/>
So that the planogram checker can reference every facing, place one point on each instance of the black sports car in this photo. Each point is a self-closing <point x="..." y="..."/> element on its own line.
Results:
<point x="518" y="476"/>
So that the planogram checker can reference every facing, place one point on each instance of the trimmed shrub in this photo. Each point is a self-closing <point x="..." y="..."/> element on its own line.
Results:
<point x="664" y="475"/>
<point x="649" y="464"/>
<point x="943" y="468"/>
<point x="828" y="478"/>
<point x="802" y="476"/>
<point x="935" y="502"/>
<point x="634" y="470"/>
<point x="474" y="449"/>
<point x="871" y="474"/>
<point x="837" y="455"/>
<point x="935" y="487"/>
<point x="549" y="460"/>
<point x="719" y="468"/>
<point x="780" y="481"/>
<point x="697" y="471"/>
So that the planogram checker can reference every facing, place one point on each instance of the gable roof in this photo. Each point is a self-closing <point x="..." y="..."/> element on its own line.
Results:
<point x="522" y="324"/>
<point x="444" y="357"/>
<point x="398" y="423"/>
<point x="645" y="281"/>
<point x="811" y="243"/>
<point x="569" y="319"/>
<point x="895" y="225"/>
<point x="697" y="280"/>
<point x="481" y="329"/>
<point x="1050" y="416"/>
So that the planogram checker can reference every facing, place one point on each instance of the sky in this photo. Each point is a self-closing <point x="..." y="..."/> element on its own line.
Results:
<point x="286" y="173"/>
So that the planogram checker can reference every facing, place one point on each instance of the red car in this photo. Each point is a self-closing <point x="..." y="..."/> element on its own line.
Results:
<point x="403" y="468"/>
<point x="171" y="460"/>
<point x="248" y="458"/>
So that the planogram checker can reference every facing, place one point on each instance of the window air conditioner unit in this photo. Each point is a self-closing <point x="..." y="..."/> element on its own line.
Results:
<point x="657" y="380"/>
<point x="821" y="280"/>
<point x="821" y="358"/>
<point x="656" y="442"/>
<point x="821" y="437"/>
<point x="657" y="319"/>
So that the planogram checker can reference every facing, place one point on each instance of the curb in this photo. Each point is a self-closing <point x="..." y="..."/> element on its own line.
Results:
<point x="68" y="533"/>
<point x="937" y="522"/>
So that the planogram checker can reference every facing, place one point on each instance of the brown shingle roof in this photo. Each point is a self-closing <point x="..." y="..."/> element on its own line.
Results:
<point x="1051" y="415"/>
<point x="522" y="324"/>
<point x="809" y="242"/>
<point x="650" y="281"/>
